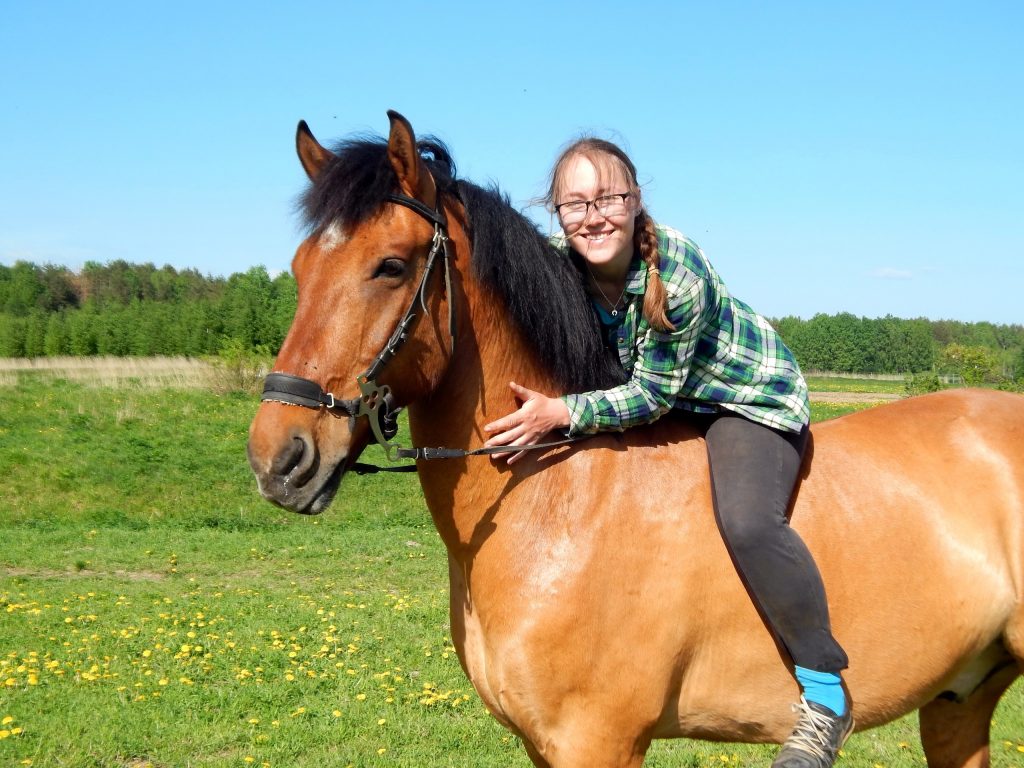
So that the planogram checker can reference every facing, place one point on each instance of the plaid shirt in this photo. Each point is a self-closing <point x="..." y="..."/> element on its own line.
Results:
<point x="721" y="355"/>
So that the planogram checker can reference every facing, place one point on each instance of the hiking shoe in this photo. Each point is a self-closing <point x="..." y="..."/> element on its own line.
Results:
<point x="817" y="738"/>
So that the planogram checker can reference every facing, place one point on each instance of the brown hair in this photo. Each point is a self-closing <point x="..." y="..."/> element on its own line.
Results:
<point x="645" y="239"/>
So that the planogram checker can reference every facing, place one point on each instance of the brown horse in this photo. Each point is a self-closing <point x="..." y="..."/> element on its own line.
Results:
<point x="593" y="603"/>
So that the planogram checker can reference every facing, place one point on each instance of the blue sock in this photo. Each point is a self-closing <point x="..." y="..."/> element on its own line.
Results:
<point x="825" y="688"/>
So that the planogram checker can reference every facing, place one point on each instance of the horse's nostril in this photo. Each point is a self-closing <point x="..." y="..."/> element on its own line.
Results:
<point x="298" y="462"/>
<point x="289" y="457"/>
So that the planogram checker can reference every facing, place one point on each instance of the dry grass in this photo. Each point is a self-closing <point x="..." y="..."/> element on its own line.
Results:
<point x="150" y="372"/>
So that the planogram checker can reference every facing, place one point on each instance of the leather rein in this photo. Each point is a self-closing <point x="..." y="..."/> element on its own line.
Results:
<point x="375" y="401"/>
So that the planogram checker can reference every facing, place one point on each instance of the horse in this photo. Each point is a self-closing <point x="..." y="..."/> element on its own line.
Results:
<point x="594" y="605"/>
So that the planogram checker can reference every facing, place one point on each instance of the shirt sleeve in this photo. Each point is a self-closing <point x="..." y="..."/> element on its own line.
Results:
<point x="662" y="365"/>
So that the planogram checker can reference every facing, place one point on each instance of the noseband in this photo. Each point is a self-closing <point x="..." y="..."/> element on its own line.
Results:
<point x="375" y="400"/>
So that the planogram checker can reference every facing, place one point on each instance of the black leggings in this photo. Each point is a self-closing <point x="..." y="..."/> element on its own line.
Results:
<point x="753" y="471"/>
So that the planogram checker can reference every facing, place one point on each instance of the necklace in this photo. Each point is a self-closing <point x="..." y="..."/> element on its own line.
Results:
<point x="612" y="305"/>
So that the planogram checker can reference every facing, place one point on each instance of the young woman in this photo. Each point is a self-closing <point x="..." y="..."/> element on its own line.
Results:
<point x="687" y="344"/>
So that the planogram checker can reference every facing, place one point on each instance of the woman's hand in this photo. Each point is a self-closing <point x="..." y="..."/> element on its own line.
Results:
<point x="537" y="416"/>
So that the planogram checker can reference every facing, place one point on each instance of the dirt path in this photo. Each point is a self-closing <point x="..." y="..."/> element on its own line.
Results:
<point x="853" y="397"/>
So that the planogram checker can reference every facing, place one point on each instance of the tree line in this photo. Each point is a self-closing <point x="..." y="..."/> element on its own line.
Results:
<point x="136" y="309"/>
<point x="121" y="308"/>
<point x="977" y="353"/>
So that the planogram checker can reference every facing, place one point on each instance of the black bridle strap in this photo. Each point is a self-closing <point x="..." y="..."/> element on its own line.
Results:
<point x="428" y="454"/>
<point x="435" y="216"/>
<point x="295" y="390"/>
<point x="440" y="221"/>
<point x="458" y="453"/>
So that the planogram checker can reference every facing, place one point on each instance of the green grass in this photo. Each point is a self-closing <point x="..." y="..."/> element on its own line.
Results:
<point x="154" y="611"/>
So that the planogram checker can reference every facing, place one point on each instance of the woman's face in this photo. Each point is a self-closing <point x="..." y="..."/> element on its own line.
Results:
<point x="602" y="239"/>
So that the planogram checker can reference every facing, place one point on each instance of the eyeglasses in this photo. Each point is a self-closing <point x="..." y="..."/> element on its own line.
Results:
<point x="576" y="211"/>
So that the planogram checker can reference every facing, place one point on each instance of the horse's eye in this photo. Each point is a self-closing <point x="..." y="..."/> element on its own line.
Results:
<point x="390" y="268"/>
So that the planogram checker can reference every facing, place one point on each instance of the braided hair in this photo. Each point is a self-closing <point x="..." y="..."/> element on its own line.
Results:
<point x="645" y="238"/>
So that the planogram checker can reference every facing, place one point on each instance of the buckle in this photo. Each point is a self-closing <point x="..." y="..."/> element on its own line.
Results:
<point x="330" y="404"/>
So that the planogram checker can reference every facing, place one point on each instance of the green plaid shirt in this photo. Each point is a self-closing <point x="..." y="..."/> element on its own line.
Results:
<point x="721" y="355"/>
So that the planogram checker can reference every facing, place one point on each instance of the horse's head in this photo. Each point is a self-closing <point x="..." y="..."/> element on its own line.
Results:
<point x="375" y="224"/>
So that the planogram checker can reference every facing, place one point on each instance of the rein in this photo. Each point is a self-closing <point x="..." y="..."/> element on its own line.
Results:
<point x="375" y="401"/>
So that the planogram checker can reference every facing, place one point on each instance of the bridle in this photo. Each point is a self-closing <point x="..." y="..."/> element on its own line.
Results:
<point x="375" y="401"/>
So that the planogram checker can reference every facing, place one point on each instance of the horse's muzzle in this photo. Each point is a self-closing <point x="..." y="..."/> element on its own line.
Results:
<point x="291" y="470"/>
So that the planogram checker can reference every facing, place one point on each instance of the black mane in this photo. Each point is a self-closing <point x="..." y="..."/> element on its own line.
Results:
<point x="540" y="286"/>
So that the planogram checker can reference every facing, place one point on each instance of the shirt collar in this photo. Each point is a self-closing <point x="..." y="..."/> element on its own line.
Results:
<point x="636" y="277"/>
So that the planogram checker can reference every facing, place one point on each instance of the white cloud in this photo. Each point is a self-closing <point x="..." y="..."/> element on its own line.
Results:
<point x="891" y="273"/>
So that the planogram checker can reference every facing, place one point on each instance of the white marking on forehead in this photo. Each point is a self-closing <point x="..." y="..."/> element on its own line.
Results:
<point x="333" y="236"/>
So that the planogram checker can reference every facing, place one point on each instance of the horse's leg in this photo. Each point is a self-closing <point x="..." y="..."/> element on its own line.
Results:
<point x="535" y="756"/>
<point x="956" y="734"/>
<point x="595" y="750"/>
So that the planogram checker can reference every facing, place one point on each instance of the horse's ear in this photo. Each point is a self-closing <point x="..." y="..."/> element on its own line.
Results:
<point x="413" y="176"/>
<point x="312" y="156"/>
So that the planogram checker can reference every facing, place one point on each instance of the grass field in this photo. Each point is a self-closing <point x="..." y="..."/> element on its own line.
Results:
<point x="155" y="612"/>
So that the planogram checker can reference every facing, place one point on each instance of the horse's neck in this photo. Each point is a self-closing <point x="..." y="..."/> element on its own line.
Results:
<point x="489" y="353"/>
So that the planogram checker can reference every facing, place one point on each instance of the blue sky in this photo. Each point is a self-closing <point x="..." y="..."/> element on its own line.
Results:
<point x="863" y="157"/>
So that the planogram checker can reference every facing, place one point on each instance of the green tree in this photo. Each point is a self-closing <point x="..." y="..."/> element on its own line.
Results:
<point x="56" y="342"/>
<point x="247" y="309"/>
<point x="12" y="336"/>
<point x="1018" y="367"/>
<point x="20" y="289"/>
<point x="974" y="364"/>
<point x="81" y="329"/>
<point x="35" y="333"/>
<point x="284" y="301"/>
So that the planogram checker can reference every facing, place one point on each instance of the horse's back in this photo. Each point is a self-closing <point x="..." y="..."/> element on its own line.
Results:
<point x="958" y="455"/>
<point x="914" y="512"/>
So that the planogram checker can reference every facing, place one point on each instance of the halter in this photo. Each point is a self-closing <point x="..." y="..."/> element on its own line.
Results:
<point x="375" y="400"/>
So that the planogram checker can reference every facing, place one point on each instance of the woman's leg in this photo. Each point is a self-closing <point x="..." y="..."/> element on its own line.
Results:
<point x="753" y="471"/>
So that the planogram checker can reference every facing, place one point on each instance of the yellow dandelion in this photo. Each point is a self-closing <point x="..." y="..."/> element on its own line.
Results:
<point x="4" y="733"/>
<point x="381" y="721"/>
<point x="254" y="721"/>
<point x="361" y="696"/>
<point x="7" y="720"/>
<point x="382" y="750"/>
<point x="336" y="713"/>
<point x="249" y="759"/>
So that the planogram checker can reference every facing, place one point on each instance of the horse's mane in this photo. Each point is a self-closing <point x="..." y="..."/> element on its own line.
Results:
<point x="541" y="288"/>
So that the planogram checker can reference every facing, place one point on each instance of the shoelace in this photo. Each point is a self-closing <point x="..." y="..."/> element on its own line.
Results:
<point x="812" y="731"/>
